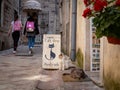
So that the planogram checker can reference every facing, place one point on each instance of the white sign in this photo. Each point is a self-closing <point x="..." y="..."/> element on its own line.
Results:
<point x="51" y="51"/>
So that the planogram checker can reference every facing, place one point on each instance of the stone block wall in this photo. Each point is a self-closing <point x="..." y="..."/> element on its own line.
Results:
<point x="47" y="15"/>
<point x="8" y="8"/>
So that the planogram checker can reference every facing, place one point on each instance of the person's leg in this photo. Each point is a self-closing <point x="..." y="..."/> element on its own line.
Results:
<point x="33" y="41"/>
<point x="17" y="36"/>
<point x="13" y="36"/>
<point x="30" y="44"/>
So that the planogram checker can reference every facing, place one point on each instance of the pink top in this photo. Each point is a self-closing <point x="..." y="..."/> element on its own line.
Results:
<point x="16" y="25"/>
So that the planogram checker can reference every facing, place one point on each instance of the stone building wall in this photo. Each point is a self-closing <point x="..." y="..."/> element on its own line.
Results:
<point x="48" y="11"/>
<point x="48" y="15"/>
<point x="51" y="7"/>
<point x="65" y="24"/>
<point x="8" y="7"/>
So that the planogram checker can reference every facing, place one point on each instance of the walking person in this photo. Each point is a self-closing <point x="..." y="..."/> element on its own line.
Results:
<point x="15" y="28"/>
<point x="31" y="30"/>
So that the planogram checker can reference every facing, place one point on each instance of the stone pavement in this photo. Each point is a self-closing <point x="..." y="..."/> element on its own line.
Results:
<point x="54" y="82"/>
<point x="19" y="72"/>
<point x="25" y="73"/>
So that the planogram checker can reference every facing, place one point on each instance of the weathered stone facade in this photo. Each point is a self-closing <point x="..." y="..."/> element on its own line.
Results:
<point x="7" y="10"/>
<point x="65" y="24"/>
<point x="48" y="17"/>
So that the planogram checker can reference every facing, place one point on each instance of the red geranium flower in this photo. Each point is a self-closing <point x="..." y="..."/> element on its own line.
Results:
<point x="86" y="12"/>
<point x="99" y="5"/>
<point x="103" y="12"/>
<point x="86" y="2"/>
<point x="118" y="2"/>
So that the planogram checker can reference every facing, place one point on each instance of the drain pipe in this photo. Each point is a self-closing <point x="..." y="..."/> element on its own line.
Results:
<point x="73" y="31"/>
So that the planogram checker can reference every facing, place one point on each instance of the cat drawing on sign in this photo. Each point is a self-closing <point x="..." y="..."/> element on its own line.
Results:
<point x="52" y="54"/>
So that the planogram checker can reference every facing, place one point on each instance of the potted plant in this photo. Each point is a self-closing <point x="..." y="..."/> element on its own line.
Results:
<point x="106" y="18"/>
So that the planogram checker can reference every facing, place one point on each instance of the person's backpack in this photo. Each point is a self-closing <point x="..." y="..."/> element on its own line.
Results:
<point x="30" y="26"/>
<point x="17" y="25"/>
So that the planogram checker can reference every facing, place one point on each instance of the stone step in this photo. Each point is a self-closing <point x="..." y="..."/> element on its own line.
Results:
<point x="23" y="54"/>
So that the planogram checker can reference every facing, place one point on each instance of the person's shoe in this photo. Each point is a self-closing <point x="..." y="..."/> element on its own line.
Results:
<point x="30" y="52"/>
<point x="14" y="52"/>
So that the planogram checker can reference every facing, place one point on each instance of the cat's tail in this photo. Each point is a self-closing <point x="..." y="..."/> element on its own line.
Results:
<point x="48" y="59"/>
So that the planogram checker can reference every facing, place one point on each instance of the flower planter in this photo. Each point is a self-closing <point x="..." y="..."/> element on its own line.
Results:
<point x="113" y="40"/>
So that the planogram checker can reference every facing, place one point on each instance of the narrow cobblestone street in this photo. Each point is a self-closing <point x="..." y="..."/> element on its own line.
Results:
<point x="25" y="73"/>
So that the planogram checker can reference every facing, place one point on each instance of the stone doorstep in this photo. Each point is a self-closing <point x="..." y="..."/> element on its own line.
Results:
<point x="38" y="45"/>
<point x="23" y="54"/>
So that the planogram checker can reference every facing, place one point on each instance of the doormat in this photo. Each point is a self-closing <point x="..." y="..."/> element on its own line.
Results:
<point x="67" y="78"/>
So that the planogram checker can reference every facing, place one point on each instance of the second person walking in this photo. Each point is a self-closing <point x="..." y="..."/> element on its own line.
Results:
<point x="31" y="30"/>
